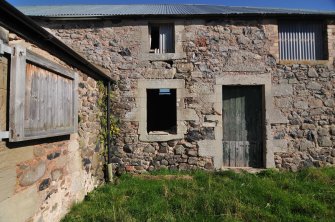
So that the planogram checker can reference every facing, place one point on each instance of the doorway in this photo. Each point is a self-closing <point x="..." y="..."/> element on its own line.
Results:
<point x="242" y="118"/>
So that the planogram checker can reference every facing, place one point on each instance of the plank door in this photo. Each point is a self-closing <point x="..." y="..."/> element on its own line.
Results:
<point x="242" y="126"/>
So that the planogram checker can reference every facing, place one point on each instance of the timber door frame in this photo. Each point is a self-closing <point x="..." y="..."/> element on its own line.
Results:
<point x="238" y="79"/>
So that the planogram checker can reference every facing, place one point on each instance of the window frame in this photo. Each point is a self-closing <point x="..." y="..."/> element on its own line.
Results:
<point x="143" y="85"/>
<point x="171" y="91"/>
<point x="325" y="42"/>
<point x="173" y="36"/>
<point x="19" y="59"/>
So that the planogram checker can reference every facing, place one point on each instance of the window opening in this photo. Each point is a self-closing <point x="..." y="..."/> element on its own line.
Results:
<point x="302" y="40"/>
<point x="154" y="38"/>
<point x="161" y="111"/>
<point x="161" y="38"/>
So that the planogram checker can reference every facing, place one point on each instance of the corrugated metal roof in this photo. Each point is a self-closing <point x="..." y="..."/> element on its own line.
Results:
<point x="156" y="9"/>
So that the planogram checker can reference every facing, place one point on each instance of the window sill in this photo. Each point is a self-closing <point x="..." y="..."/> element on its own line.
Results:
<point x="160" y="137"/>
<point x="160" y="133"/>
<point x="304" y="62"/>
<point x="162" y="56"/>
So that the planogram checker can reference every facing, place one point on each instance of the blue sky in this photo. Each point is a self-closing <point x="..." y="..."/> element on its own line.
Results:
<point x="302" y="4"/>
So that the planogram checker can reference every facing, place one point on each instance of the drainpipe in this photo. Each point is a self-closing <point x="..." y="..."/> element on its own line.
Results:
<point x="109" y="151"/>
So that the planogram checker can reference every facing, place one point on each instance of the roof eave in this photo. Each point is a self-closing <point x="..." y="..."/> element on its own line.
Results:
<point x="15" y="21"/>
<point x="184" y="16"/>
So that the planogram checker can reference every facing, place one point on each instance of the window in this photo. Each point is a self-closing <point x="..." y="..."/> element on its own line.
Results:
<point x="161" y="38"/>
<point x="43" y="97"/>
<point x="161" y="111"/>
<point x="302" y="40"/>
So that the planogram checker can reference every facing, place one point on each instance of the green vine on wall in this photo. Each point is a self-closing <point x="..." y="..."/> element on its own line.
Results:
<point x="114" y="121"/>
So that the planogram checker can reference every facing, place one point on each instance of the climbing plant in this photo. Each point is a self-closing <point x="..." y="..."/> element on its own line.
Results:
<point x="114" y="121"/>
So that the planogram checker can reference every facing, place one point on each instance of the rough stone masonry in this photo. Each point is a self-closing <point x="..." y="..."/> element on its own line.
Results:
<point x="209" y="53"/>
<point x="40" y="180"/>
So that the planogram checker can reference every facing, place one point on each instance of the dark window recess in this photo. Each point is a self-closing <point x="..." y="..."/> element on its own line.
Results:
<point x="161" y="38"/>
<point x="154" y="37"/>
<point x="161" y="110"/>
<point x="302" y="40"/>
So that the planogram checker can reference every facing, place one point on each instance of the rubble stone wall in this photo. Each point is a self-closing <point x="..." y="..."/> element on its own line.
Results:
<point x="41" y="179"/>
<point x="300" y="98"/>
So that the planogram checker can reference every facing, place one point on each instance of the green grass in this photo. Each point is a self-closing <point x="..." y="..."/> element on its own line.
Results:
<point x="308" y="195"/>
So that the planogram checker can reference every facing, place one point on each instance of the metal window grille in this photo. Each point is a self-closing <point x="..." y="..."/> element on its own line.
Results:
<point x="302" y="40"/>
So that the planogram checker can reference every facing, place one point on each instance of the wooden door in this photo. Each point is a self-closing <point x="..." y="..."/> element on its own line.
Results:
<point x="242" y="126"/>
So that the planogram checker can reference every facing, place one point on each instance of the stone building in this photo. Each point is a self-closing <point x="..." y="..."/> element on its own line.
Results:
<point x="195" y="86"/>
<point x="46" y="163"/>
<point x="210" y="86"/>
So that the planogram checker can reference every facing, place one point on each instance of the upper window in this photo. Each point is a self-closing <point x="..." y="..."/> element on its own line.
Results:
<point x="302" y="40"/>
<point x="161" y="38"/>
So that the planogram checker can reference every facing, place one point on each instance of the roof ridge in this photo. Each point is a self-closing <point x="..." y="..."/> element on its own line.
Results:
<point x="276" y="8"/>
<point x="159" y="9"/>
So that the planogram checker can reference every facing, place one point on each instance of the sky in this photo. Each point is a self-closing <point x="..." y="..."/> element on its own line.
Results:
<point x="297" y="4"/>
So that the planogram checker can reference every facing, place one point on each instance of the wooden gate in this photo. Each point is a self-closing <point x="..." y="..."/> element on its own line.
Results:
<point x="242" y="126"/>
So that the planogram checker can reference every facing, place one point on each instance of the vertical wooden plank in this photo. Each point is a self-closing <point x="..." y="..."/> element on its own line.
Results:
<point x="69" y="106"/>
<point x="52" y="105"/>
<point x="17" y="94"/>
<point x="64" y="91"/>
<point x="43" y="93"/>
<point x="63" y="102"/>
<point x="260" y="133"/>
<point x="232" y="116"/>
<point x="56" y="107"/>
<point x="226" y="152"/>
<point x="225" y="124"/>
<point x="238" y="124"/>
<point x="251" y="116"/>
<point x="27" y="95"/>
<point x="3" y="110"/>
<point x="39" y="100"/>
<point x="34" y="121"/>
<point x="3" y="92"/>
<point x="246" y="145"/>
<point x="50" y="92"/>
<point x="244" y="132"/>
<point x="59" y="101"/>
<point x="75" y="100"/>
<point x="232" y="153"/>
<point x="33" y="102"/>
<point x="45" y="100"/>
<point x="66" y="108"/>
<point x="225" y="115"/>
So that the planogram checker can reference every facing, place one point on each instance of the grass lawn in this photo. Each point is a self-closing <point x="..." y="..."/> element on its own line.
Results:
<point x="308" y="195"/>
